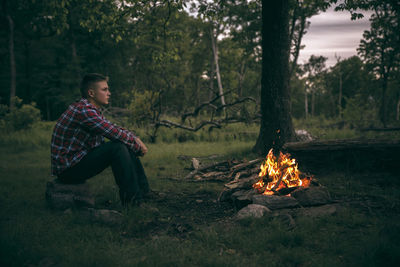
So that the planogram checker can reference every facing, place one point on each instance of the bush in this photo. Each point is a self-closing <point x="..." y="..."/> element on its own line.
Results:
<point x="360" y="113"/>
<point x="22" y="116"/>
<point x="141" y="107"/>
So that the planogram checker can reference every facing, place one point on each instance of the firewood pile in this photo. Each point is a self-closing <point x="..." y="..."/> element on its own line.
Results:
<point x="230" y="171"/>
<point x="239" y="178"/>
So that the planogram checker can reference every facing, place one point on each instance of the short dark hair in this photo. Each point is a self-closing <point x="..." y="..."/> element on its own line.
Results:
<point x="88" y="80"/>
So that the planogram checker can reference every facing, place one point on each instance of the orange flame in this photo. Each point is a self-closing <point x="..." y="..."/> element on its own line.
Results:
<point x="281" y="172"/>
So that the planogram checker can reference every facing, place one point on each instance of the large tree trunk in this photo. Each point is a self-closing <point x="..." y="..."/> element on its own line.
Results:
<point x="13" y="72"/>
<point x="276" y="122"/>
<point x="217" y="72"/>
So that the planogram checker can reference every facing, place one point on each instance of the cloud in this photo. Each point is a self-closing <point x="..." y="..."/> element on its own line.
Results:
<point x="333" y="33"/>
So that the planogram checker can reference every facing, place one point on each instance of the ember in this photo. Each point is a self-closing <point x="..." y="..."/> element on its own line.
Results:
<point x="280" y="175"/>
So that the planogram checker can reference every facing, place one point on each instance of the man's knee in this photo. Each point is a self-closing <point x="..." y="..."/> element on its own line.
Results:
<point x="119" y="148"/>
<point x="117" y="145"/>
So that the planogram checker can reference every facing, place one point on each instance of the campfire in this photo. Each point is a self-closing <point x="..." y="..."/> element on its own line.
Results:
<point x="279" y="175"/>
<point x="276" y="184"/>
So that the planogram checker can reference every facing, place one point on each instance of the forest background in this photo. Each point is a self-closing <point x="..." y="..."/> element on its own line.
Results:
<point x="165" y="58"/>
<point x="186" y="77"/>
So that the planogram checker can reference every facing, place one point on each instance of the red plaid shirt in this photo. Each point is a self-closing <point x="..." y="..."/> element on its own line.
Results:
<point x="79" y="129"/>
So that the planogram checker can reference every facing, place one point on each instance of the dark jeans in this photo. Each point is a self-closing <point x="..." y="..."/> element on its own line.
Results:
<point x="126" y="167"/>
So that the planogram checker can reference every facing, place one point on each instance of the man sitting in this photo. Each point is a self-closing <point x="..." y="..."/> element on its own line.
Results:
<point x="78" y="149"/>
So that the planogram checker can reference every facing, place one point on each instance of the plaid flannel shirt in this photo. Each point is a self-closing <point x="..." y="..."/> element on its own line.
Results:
<point x="81" y="128"/>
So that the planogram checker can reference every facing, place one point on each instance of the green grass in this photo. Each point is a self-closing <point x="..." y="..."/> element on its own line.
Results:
<point x="364" y="231"/>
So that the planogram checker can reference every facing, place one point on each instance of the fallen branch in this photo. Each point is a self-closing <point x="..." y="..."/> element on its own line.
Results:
<point x="242" y="100"/>
<point x="188" y="157"/>
<point x="196" y="111"/>
<point x="239" y="167"/>
<point x="196" y="171"/>
<point x="170" y="124"/>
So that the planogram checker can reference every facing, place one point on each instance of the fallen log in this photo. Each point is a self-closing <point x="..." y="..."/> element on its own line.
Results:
<point x="370" y="155"/>
<point x="387" y="129"/>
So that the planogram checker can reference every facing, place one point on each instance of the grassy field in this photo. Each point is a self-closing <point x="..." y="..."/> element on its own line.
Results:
<point x="188" y="227"/>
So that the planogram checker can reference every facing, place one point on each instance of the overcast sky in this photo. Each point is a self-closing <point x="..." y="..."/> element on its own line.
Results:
<point x="333" y="32"/>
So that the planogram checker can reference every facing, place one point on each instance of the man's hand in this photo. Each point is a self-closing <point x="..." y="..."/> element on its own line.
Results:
<point x="143" y="148"/>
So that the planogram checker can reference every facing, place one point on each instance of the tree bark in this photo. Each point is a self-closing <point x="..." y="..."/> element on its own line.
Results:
<point x="13" y="72"/>
<point x="276" y="123"/>
<point x="215" y="52"/>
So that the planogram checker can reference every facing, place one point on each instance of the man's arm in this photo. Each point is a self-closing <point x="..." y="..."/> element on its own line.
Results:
<point x="143" y="147"/>
<point x="94" y="122"/>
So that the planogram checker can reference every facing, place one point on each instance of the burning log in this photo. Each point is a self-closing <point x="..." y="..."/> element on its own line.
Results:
<point x="282" y="172"/>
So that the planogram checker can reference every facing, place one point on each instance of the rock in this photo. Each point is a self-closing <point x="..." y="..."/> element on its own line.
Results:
<point x="242" y="198"/>
<point x="64" y="196"/>
<point x="319" y="211"/>
<point x="149" y="207"/>
<point x="47" y="262"/>
<point x="110" y="217"/>
<point x="303" y="135"/>
<point x="225" y="195"/>
<point x="312" y="196"/>
<point x="275" y="202"/>
<point x="252" y="211"/>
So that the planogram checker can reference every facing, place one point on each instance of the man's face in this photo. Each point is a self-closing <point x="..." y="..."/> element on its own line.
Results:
<point x="99" y="94"/>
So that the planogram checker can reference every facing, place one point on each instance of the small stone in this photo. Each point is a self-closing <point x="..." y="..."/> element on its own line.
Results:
<point x="110" y="217"/>
<point x="242" y="198"/>
<point x="230" y="251"/>
<point x="149" y="207"/>
<point x="286" y="219"/>
<point x="252" y="211"/>
<point x="225" y="195"/>
<point x="275" y="202"/>
<point x="311" y="196"/>
<point x="319" y="211"/>
<point x="47" y="262"/>
<point x="68" y="211"/>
